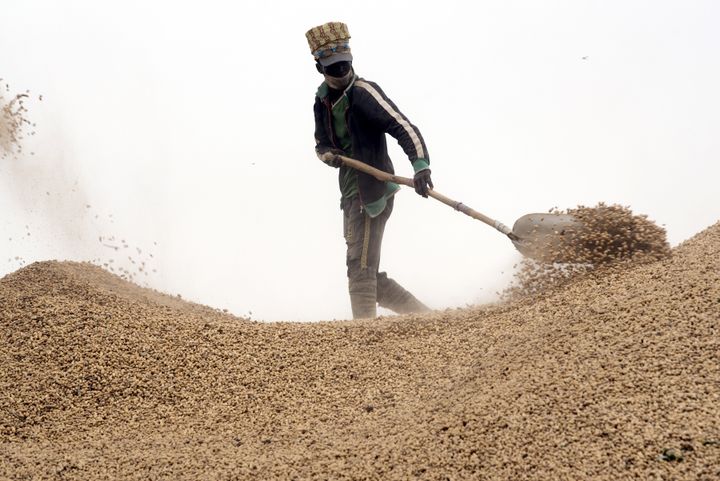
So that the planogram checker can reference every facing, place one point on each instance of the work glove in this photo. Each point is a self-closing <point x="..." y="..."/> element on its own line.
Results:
<point x="423" y="182"/>
<point x="330" y="157"/>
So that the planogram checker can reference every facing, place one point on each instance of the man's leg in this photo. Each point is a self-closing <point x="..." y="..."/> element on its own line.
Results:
<point x="390" y="294"/>
<point x="393" y="296"/>
<point x="363" y="237"/>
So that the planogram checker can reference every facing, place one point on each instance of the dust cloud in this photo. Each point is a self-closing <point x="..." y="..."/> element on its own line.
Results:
<point x="53" y="213"/>
<point x="14" y="124"/>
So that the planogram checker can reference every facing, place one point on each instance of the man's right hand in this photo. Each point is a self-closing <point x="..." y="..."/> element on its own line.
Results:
<point x="330" y="157"/>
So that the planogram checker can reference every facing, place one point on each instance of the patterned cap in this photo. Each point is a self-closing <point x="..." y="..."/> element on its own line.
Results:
<point x="330" y="43"/>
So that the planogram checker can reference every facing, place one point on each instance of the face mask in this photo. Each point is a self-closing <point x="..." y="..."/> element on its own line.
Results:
<point x="339" y="83"/>
<point x="338" y="69"/>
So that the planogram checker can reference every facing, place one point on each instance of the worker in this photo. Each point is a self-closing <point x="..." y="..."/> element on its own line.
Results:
<point x="352" y="116"/>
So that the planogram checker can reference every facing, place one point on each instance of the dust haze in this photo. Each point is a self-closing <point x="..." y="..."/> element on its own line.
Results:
<point x="198" y="149"/>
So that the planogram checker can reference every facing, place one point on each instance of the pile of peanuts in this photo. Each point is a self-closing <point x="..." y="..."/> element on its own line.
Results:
<point x="612" y="376"/>
<point x="609" y="237"/>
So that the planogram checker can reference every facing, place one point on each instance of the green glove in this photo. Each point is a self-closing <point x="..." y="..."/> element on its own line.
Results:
<point x="422" y="179"/>
<point x="423" y="182"/>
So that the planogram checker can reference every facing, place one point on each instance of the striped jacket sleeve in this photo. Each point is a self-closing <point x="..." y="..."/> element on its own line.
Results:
<point x="380" y="110"/>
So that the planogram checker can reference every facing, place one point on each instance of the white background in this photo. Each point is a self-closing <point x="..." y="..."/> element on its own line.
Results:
<point x="185" y="129"/>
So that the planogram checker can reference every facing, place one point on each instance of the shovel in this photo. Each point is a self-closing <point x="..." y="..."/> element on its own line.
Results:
<point x="538" y="236"/>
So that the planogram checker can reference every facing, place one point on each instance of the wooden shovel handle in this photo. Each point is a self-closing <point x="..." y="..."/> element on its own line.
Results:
<point x="386" y="176"/>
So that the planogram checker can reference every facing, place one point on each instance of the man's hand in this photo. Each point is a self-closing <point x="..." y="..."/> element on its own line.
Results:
<point x="330" y="157"/>
<point x="423" y="182"/>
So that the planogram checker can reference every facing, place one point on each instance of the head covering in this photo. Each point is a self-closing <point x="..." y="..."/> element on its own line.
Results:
<point x="330" y="43"/>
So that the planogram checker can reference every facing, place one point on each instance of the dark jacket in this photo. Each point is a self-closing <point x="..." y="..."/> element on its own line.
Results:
<point x="370" y="115"/>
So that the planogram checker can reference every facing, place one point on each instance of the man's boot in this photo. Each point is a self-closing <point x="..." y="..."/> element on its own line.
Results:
<point x="393" y="296"/>
<point x="362" y="298"/>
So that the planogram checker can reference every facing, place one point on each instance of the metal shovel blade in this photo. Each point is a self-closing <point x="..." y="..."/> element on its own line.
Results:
<point x="542" y="236"/>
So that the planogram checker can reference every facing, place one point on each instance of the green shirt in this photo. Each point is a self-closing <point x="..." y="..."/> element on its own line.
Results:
<point x="348" y="175"/>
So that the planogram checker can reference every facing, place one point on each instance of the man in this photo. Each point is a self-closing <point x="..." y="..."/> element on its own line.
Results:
<point x="352" y="116"/>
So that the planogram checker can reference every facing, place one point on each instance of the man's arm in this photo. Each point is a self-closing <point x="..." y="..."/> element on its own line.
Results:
<point x="324" y="148"/>
<point x="384" y="113"/>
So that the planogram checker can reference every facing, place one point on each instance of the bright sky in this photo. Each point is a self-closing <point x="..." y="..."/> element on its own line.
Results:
<point x="185" y="129"/>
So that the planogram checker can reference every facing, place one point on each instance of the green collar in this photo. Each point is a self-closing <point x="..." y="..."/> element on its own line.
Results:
<point x="323" y="90"/>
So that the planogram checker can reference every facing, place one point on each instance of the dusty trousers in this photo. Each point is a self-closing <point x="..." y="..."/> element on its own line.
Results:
<point x="367" y="286"/>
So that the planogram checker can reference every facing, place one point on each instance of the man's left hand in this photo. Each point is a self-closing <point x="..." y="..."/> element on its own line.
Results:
<point x="423" y="182"/>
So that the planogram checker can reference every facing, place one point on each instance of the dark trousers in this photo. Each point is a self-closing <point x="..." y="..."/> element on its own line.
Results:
<point x="367" y="286"/>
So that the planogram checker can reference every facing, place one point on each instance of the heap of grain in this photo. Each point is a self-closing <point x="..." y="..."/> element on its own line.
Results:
<point x="605" y="237"/>
<point x="610" y="377"/>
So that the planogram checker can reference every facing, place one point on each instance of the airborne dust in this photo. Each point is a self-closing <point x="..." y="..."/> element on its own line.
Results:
<point x="14" y="122"/>
<point x="58" y="210"/>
